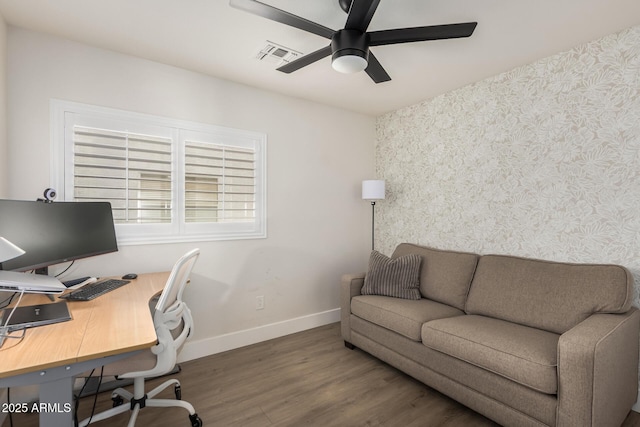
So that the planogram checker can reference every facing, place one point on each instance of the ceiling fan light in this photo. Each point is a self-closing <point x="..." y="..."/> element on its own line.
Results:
<point x="349" y="63"/>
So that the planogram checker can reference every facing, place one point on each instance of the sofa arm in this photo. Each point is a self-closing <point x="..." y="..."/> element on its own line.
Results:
<point x="598" y="370"/>
<point x="350" y="287"/>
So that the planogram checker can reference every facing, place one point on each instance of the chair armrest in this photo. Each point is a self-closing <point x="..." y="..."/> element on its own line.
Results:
<point x="350" y="287"/>
<point x="598" y="370"/>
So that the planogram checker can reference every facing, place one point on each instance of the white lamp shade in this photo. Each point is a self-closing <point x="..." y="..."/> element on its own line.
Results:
<point x="373" y="189"/>
<point x="349" y="64"/>
<point x="8" y="250"/>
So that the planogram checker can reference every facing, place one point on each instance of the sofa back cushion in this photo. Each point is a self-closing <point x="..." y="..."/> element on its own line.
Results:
<point x="552" y="296"/>
<point x="445" y="276"/>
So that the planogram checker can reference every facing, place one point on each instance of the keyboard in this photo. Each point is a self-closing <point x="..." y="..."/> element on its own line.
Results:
<point x="94" y="290"/>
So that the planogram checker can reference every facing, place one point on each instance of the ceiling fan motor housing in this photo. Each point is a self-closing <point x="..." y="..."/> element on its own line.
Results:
<point x="349" y="43"/>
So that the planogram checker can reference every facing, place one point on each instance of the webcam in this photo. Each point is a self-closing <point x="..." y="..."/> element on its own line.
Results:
<point x="49" y="195"/>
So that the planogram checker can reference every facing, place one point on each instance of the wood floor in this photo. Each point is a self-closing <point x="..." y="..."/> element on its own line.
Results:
<point x="308" y="379"/>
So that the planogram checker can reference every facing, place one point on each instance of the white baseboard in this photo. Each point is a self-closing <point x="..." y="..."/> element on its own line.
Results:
<point x="206" y="347"/>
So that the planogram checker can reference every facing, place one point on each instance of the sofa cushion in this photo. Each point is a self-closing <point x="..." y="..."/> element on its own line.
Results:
<point x="445" y="276"/>
<point x="525" y="355"/>
<point x="548" y="295"/>
<point x="402" y="316"/>
<point x="397" y="277"/>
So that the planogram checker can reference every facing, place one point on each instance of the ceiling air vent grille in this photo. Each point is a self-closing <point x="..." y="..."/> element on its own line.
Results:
<point x="277" y="54"/>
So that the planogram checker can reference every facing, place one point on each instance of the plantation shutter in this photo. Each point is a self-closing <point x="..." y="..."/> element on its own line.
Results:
<point x="167" y="180"/>
<point x="220" y="183"/>
<point x="132" y="171"/>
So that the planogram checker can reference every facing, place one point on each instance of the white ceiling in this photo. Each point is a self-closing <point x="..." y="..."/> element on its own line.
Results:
<point x="210" y="37"/>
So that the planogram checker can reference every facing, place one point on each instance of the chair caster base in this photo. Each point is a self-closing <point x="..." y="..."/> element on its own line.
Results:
<point x="117" y="401"/>
<point x="195" y="420"/>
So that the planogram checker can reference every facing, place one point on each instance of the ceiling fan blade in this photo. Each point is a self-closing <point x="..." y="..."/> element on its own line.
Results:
<point x="278" y="15"/>
<point x="375" y="70"/>
<point x="306" y="60"/>
<point x="418" y="34"/>
<point x="360" y="14"/>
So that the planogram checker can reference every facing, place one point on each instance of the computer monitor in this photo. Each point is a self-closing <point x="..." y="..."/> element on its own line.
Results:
<point x="52" y="233"/>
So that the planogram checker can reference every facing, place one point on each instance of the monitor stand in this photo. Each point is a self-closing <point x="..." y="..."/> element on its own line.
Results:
<point x="45" y="271"/>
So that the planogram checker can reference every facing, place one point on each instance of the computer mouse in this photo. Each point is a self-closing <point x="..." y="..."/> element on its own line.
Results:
<point x="129" y="276"/>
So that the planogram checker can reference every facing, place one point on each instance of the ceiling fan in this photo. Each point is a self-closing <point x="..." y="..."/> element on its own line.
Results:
<point x="349" y="48"/>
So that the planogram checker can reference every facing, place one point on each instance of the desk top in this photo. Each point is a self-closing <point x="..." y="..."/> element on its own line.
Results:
<point x="114" y="323"/>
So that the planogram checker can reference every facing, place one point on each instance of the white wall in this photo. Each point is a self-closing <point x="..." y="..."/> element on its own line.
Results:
<point x="317" y="157"/>
<point x="4" y="161"/>
<point x="4" y="158"/>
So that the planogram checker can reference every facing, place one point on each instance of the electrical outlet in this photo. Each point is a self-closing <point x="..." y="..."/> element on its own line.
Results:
<point x="260" y="302"/>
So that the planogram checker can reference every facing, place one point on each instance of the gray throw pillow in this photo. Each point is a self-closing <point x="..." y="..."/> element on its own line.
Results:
<point x="399" y="277"/>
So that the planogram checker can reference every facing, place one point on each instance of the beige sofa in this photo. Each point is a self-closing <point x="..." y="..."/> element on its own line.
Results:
<point x="524" y="342"/>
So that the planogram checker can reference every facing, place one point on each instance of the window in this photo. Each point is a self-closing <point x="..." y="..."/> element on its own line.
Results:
<point x="132" y="171"/>
<point x="219" y="183"/>
<point x="167" y="180"/>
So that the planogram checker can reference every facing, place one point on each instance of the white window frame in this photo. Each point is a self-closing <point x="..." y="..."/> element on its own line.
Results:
<point x="65" y="115"/>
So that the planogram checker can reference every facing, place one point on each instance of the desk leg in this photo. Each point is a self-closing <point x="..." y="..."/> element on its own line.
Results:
<point x="56" y="388"/>
<point x="56" y="403"/>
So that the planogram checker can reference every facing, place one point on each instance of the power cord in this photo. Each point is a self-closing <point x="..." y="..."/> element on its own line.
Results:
<point x="14" y="343"/>
<point x="95" y="397"/>
<point x="7" y="301"/>
<point x="77" y="399"/>
<point x="9" y="405"/>
<point x="4" y="329"/>
<point x="66" y="269"/>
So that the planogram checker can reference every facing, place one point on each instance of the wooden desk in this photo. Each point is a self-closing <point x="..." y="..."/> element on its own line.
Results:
<point x="111" y="327"/>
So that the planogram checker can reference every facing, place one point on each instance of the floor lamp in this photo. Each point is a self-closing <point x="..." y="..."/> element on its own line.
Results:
<point x="373" y="190"/>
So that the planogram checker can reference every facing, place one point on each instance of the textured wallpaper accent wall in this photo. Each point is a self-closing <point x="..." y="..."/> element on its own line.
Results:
<point x="541" y="161"/>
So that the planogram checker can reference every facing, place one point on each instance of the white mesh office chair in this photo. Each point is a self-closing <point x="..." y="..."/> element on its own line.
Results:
<point x="173" y="323"/>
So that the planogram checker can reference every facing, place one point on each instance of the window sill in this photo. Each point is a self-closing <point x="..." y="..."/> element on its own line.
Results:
<point x="150" y="240"/>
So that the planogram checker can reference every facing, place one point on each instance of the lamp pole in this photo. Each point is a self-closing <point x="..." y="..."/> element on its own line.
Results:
<point x="373" y="190"/>
<point x="373" y="222"/>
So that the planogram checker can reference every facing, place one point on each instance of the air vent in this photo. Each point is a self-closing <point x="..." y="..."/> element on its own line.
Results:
<point x="277" y="54"/>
